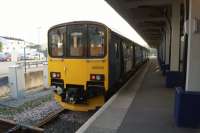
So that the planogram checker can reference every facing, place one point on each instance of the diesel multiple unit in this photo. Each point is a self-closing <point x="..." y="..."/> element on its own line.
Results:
<point x="87" y="61"/>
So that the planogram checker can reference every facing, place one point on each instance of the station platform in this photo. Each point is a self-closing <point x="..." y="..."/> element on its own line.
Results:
<point x="142" y="105"/>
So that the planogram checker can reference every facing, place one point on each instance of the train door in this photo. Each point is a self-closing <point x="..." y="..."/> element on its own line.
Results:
<point x="126" y="56"/>
<point x="117" y="57"/>
<point x="133" y="55"/>
<point x="75" y="63"/>
<point x="129" y="49"/>
<point x="114" y="59"/>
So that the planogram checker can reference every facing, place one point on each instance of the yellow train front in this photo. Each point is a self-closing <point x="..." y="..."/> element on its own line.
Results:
<point x="80" y="70"/>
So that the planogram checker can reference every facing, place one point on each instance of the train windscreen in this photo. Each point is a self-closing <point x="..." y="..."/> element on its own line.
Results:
<point x="96" y="40"/>
<point x="77" y="41"/>
<point x="56" y="42"/>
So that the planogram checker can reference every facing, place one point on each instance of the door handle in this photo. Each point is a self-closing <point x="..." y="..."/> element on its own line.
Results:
<point x="65" y="68"/>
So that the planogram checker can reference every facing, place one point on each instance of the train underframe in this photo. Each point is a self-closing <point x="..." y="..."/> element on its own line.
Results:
<point x="76" y="98"/>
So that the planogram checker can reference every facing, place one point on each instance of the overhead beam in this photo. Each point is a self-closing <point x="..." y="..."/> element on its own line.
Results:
<point x="136" y="4"/>
<point x="150" y="30"/>
<point x="152" y="19"/>
<point x="154" y="24"/>
<point x="151" y="33"/>
<point x="150" y="37"/>
<point x="145" y="12"/>
<point x="153" y="37"/>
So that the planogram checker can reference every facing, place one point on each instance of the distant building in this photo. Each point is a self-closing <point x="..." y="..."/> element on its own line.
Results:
<point x="15" y="46"/>
<point x="10" y="44"/>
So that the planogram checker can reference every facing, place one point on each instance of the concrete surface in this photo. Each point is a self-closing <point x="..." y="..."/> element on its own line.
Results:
<point x="152" y="110"/>
<point x="144" y="105"/>
<point x="33" y="79"/>
<point x="4" y="68"/>
<point x="111" y="118"/>
<point x="29" y="96"/>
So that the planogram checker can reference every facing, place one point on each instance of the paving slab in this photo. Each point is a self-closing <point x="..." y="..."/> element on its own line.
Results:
<point x="152" y="109"/>
<point x="143" y="105"/>
<point x="109" y="118"/>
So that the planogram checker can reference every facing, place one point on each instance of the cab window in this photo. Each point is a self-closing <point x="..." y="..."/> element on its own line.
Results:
<point x="96" y="41"/>
<point x="77" y="40"/>
<point x="56" y="42"/>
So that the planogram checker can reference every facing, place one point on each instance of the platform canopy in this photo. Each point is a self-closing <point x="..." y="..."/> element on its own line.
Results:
<point x="101" y="11"/>
<point x="148" y="17"/>
<point x="31" y="19"/>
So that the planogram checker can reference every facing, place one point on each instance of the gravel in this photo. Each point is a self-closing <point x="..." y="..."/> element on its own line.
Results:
<point x="68" y="122"/>
<point x="30" y="111"/>
<point x="31" y="116"/>
<point x="34" y="111"/>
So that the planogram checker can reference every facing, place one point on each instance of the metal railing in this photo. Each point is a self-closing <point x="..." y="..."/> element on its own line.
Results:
<point x="32" y="63"/>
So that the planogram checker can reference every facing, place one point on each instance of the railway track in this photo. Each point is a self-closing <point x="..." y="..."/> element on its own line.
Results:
<point x="50" y="117"/>
<point x="8" y="126"/>
<point x="57" y="121"/>
<point x="65" y="121"/>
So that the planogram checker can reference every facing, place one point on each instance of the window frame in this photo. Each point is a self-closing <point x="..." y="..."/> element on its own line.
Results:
<point x="66" y="42"/>
<point x="105" y="41"/>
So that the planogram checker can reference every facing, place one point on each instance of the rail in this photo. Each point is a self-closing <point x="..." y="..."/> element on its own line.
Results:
<point x="48" y="118"/>
<point x="8" y="126"/>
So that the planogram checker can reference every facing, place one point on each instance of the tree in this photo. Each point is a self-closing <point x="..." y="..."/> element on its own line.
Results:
<point x="1" y="46"/>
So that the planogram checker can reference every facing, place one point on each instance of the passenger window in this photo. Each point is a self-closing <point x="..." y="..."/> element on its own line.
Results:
<point x="96" y="41"/>
<point x="125" y="50"/>
<point x="117" y="50"/>
<point x="77" y="41"/>
<point x="56" y="41"/>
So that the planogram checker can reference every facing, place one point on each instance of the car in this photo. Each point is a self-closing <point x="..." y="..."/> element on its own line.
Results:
<point x="8" y="56"/>
<point x="5" y="57"/>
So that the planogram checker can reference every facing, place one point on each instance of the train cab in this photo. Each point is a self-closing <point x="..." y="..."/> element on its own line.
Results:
<point x="78" y="64"/>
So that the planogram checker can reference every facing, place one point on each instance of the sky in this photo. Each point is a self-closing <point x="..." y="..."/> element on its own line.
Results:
<point x="31" y="19"/>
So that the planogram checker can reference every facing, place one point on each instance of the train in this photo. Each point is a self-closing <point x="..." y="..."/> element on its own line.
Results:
<point x="87" y="61"/>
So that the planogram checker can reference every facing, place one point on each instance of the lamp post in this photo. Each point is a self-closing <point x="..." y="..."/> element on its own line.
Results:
<point x="25" y="56"/>
<point x="39" y="29"/>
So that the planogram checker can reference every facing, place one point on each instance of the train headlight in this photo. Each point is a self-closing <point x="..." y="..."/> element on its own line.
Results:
<point x="55" y="75"/>
<point x="93" y="77"/>
<point x="99" y="77"/>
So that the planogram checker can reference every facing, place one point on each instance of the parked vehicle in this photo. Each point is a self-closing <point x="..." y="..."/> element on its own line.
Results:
<point x="5" y="57"/>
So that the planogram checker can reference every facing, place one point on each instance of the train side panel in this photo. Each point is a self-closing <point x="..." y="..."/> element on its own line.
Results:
<point x="115" y="62"/>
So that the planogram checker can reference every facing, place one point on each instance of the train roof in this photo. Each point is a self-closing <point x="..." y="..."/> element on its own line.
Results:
<point x="131" y="34"/>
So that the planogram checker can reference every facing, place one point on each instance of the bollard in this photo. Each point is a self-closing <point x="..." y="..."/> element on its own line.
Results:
<point x="16" y="81"/>
<point x="45" y="77"/>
